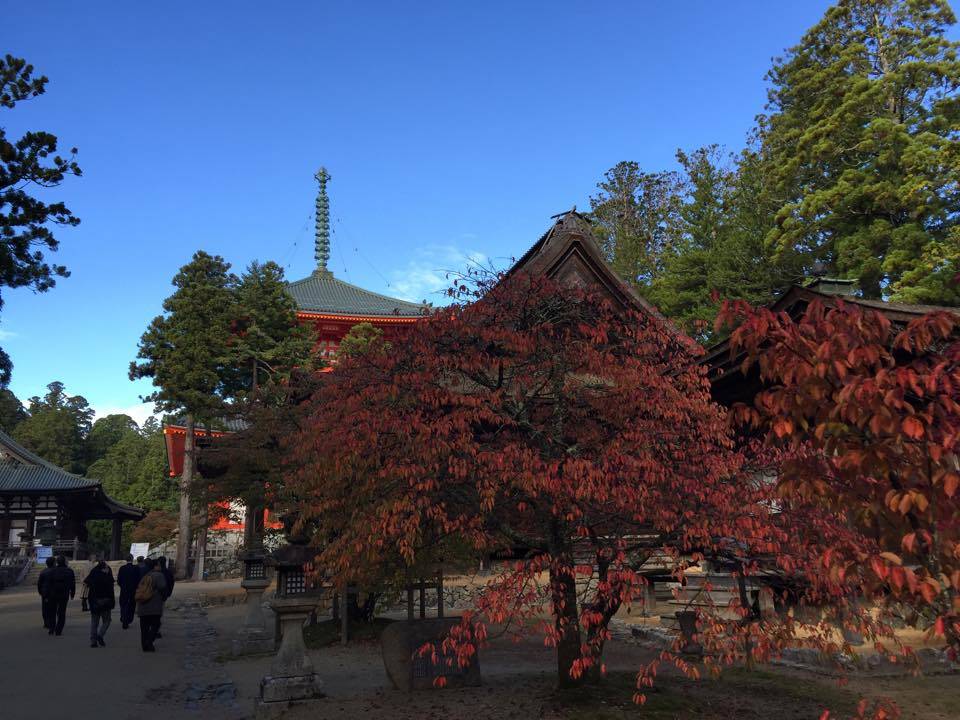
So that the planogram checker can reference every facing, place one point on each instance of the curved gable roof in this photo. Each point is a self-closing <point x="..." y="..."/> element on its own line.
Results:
<point x="568" y="253"/>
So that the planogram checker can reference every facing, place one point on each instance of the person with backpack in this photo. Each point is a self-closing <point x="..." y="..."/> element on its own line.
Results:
<point x="100" y="600"/>
<point x="43" y="587"/>
<point x="128" y="577"/>
<point x="62" y="587"/>
<point x="168" y="576"/>
<point x="149" y="596"/>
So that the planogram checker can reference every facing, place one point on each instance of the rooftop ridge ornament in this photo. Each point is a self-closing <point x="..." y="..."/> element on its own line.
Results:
<point x="322" y="232"/>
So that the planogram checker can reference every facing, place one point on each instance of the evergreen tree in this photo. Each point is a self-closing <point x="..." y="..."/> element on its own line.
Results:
<point x="57" y="428"/>
<point x="635" y="215"/>
<point x="12" y="412"/>
<point x="270" y="341"/>
<point x="683" y="289"/>
<point x="860" y="148"/>
<point x="270" y="344"/>
<point x="187" y="352"/>
<point x="718" y="252"/>
<point x="107" y="432"/>
<point x="134" y="470"/>
<point x="30" y="161"/>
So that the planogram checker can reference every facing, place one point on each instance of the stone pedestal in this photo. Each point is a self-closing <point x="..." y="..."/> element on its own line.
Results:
<point x="687" y="620"/>
<point x="409" y="671"/>
<point x="252" y="637"/>
<point x="292" y="680"/>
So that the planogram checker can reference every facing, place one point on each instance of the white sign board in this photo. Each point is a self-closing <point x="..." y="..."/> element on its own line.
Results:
<point x="43" y="552"/>
<point x="139" y="549"/>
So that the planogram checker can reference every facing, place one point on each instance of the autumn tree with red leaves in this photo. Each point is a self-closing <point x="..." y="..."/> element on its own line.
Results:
<point x="865" y="417"/>
<point x="537" y="419"/>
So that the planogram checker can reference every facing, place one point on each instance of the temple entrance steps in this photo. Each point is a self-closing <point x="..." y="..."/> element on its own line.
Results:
<point x="30" y="579"/>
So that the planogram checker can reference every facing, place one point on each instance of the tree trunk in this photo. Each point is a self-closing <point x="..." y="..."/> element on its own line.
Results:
<point x="186" y="480"/>
<point x="563" y="587"/>
<point x="201" y="557"/>
<point x="249" y="526"/>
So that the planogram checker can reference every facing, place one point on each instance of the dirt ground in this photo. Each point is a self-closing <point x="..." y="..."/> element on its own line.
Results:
<point x="519" y="683"/>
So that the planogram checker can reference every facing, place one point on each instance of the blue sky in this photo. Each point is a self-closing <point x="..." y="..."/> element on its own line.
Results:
<point x="451" y="130"/>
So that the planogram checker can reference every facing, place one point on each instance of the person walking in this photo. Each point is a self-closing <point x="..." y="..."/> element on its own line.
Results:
<point x="100" y="600"/>
<point x="62" y="588"/>
<point x="128" y="577"/>
<point x="43" y="587"/>
<point x="149" y="596"/>
<point x="168" y="576"/>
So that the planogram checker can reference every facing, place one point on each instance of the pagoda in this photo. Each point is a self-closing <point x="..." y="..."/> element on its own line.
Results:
<point x="333" y="306"/>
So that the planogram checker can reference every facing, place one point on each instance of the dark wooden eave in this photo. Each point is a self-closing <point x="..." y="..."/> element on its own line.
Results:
<point x="730" y="385"/>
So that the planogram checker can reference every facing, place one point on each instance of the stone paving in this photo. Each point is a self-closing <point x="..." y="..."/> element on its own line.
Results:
<point x="51" y="677"/>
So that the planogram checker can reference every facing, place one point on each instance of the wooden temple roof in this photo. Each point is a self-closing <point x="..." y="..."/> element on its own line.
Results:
<point x="568" y="253"/>
<point x="25" y="473"/>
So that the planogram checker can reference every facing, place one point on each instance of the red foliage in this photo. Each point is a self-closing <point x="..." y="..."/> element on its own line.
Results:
<point x="866" y="420"/>
<point x="538" y="417"/>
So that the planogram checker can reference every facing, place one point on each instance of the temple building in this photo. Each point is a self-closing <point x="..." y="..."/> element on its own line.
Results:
<point x="333" y="307"/>
<point x="43" y="505"/>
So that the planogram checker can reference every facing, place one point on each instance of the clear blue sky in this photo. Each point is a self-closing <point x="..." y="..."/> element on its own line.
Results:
<point x="451" y="130"/>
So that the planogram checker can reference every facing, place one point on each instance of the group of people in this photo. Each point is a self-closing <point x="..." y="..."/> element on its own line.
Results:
<point x="144" y="588"/>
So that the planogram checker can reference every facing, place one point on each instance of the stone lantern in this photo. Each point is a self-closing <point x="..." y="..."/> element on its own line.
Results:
<point x="252" y="636"/>
<point x="292" y="679"/>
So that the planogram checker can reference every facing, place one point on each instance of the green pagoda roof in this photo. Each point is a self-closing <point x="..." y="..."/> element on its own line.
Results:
<point x="321" y="292"/>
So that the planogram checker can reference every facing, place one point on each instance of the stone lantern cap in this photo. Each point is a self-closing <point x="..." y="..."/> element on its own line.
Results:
<point x="291" y="556"/>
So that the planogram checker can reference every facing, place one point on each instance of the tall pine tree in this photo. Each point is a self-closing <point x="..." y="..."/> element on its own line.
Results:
<point x="27" y="164"/>
<point x="861" y="146"/>
<point x="187" y="352"/>
<point x="635" y="214"/>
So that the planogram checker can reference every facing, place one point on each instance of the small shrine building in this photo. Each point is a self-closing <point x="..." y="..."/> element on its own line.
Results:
<point x="44" y="505"/>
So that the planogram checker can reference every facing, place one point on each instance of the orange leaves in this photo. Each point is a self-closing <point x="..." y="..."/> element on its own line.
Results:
<point x="867" y="428"/>
<point x="912" y="427"/>
<point x="950" y="482"/>
<point x="782" y="427"/>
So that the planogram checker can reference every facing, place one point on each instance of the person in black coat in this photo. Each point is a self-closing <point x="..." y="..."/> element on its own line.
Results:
<point x="128" y="576"/>
<point x="62" y="586"/>
<point x="101" y="601"/>
<point x="43" y="587"/>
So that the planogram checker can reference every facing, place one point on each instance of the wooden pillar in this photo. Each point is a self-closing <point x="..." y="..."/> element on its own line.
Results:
<point x="410" y="600"/>
<point x="115" y="539"/>
<point x="423" y="598"/>
<point x="440" y="593"/>
<point x="344" y="617"/>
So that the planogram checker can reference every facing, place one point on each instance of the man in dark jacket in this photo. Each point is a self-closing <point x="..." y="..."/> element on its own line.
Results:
<point x="62" y="586"/>
<point x="127" y="578"/>
<point x="101" y="601"/>
<point x="150" y="605"/>
<point x="43" y="587"/>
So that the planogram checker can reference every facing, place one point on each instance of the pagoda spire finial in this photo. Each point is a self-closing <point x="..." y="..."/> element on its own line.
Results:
<point x="322" y="232"/>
